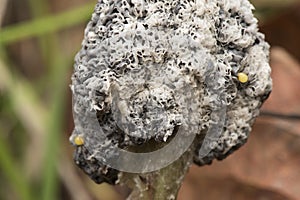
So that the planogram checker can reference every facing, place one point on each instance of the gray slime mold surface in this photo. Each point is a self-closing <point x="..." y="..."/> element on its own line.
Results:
<point x="156" y="71"/>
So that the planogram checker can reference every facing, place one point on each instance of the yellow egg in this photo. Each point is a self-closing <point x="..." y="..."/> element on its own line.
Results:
<point x="243" y="78"/>
<point x="79" y="140"/>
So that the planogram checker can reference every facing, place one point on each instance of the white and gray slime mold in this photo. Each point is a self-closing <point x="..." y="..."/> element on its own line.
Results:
<point x="147" y="67"/>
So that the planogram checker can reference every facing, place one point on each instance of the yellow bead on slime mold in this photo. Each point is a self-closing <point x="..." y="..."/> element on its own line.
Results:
<point x="79" y="140"/>
<point x="243" y="78"/>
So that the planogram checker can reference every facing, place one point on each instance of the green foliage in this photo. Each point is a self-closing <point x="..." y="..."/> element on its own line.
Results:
<point x="40" y="119"/>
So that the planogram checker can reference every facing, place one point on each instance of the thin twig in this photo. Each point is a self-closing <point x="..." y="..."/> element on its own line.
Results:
<point x="280" y="115"/>
<point x="3" y="4"/>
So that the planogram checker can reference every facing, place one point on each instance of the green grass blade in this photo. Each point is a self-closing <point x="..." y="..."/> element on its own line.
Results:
<point x="45" y="25"/>
<point x="54" y="129"/>
<point x="14" y="174"/>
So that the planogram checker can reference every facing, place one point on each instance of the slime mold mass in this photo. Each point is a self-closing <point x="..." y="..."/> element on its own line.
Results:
<point x="148" y="67"/>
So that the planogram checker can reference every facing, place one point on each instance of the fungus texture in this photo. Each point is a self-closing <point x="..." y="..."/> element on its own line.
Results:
<point x="148" y="68"/>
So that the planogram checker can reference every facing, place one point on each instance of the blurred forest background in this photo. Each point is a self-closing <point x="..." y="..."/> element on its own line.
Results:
<point x="38" y="41"/>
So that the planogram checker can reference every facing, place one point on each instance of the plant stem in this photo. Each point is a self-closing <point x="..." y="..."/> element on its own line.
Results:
<point x="163" y="184"/>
